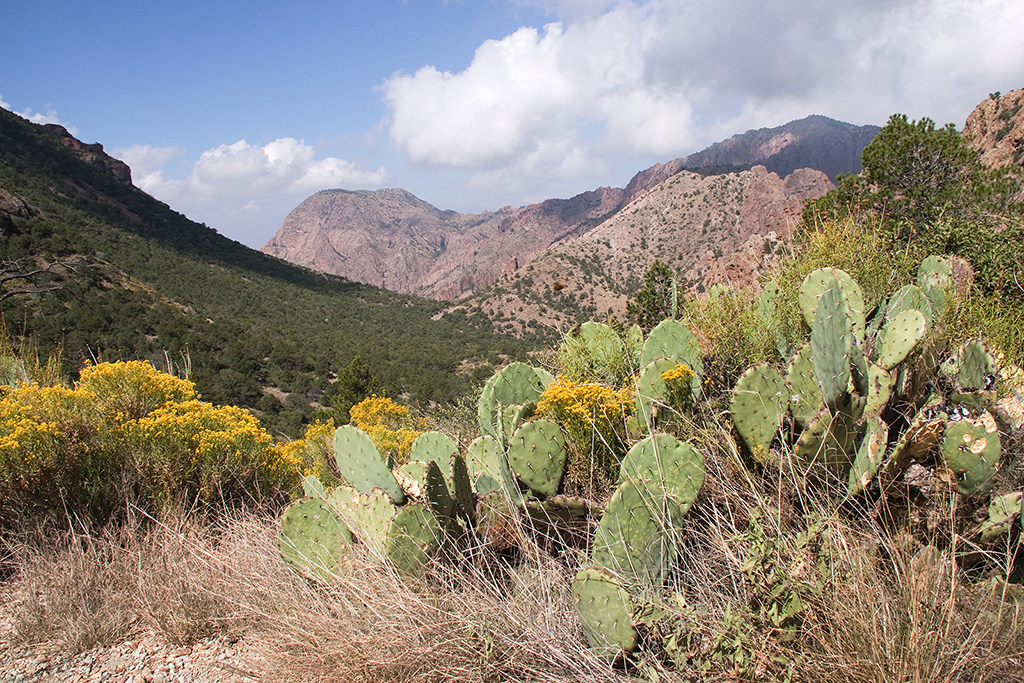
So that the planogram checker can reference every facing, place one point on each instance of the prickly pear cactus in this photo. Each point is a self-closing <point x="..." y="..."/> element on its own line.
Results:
<point x="414" y="538"/>
<point x="661" y="461"/>
<point x="970" y="452"/>
<point x="934" y="277"/>
<point x="805" y="395"/>
<point x="831" y="344"/>
<point x="424" y="481"/>
<point x="908" y="298"/>
<point x="367" y="516"/>
<point x="815" y="284"/>
<point x="869" y="456"/>
<point x="1002" y="511"/>
<point x="606" y="612"/>
<point x="974" y="367"/>
<point x="312" y="538"/>
<point x="312" y="487"/>
<point x="636" y="537"/>
<point x="517" y="384"/>
<point x="652" y="394"/>
<point x="361" y="464"/>
<point x="673" y="340"/>
<point x="759" y="402"/>
<point x="537" y="455"/>
<point x="900" y="336"/>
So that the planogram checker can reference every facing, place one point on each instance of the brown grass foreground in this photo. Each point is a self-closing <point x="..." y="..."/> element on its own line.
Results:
<point x="886" y="610"/>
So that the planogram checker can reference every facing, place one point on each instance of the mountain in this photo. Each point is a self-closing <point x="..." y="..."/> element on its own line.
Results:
<point x="93" y="265"/>
<point x="715" y="229"/>
<point x="817" y="142"/>
<point x="392" y="239"/>
<point x="996" y="129"/>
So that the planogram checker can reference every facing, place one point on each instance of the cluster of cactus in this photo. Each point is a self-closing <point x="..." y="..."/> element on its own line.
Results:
<point x="636" y="540"/>
<point x="407" y="515"/>
<point x="849" y="389"/>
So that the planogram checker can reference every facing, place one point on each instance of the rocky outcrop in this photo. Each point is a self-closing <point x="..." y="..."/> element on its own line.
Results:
<point x="392" y="239"/>
<point x="996" y="129"/>
<point x="817" y="142"/>
<point x="719" y="229"/>
<point x="93" y="154"/>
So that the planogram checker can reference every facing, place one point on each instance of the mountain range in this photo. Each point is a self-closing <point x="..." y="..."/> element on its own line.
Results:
<point x="392" y="239"/>
<point x="95" y="267"/>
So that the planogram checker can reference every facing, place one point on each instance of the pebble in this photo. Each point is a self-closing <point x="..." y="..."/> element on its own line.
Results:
<point x="145" y="659"/>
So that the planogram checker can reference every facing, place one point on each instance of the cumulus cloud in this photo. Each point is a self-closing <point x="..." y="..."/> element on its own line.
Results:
<point x="4" y="104"/>
<point x="664" y="78"/>
<point x="285" y="165"/>
<point x="243" y="188"/>
<point x="50" y="116"/>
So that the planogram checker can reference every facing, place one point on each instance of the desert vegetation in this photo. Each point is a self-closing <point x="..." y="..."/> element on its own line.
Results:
<point x="816" y="478"/>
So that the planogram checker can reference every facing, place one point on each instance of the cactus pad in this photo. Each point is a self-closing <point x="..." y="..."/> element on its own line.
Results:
<point x="662" y="461"/>
<point x="908" y="298"/>
<point x="312" y="538"/>
<point x="970" y="452"/>
<point x="414" y="538"/>
<point x="368" y="516"/>
<point x="831" y="343"/>
<point x="759" y="402"/>
<point x="901" y="334"/>
<point x="424" y="481"/>
<point x="537" y="455"/>
<point x="361" y="464"/>
<point x="312" y="487"/>
<point x="1002" y="511"/>
<point x="869" y="456"/>
<point x="815" y="284"/>
<point x="652" y="394"/>
<point x="805" y="396"/>
<point x="516" y="384"/>
<point x="606" y="612"/>
<point x="635" y="538"/>
<point x="974" y="366"/>
<point x="673" y="340"/>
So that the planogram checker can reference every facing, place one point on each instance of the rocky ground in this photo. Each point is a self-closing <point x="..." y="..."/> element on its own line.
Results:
<point x="142" y="659"/>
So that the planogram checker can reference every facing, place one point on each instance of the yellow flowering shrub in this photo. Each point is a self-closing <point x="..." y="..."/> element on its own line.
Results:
<point x="313" y="453"/>
<point x="128" y="390"/>
<point x="129" y="433"/>
<point x="220" y="454"/>
<point x="391" y="425"/>
<point x="677" y="381"/>
<point x="594" y="415"/>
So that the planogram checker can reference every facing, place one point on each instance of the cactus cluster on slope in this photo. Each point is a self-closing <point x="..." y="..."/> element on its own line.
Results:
<point x="868" y="394"/>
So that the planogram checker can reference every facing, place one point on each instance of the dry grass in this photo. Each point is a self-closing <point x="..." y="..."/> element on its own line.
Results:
<point x="879" y="606"/>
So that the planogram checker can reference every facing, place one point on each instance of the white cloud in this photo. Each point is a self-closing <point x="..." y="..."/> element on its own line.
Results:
<point x="244" y="189"/>
<point x="50" y="116"/>
<point x="147" y="162"/>
<point x="4" y="104"/>
<point x="664" y="78"/>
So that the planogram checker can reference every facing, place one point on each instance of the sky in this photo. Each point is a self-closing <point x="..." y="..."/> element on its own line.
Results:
<point x="234" y="112"/>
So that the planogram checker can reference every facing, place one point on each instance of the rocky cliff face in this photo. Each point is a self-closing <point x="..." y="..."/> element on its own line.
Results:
<point x="391" y="239"/>
<point x="93" y="154"/>
<point x="719" y="229"/>
<point x="996" y="129"/>
<point x="817" y="142"/>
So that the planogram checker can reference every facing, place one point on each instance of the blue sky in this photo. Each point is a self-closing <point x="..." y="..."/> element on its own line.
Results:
<point x="234" y="112"/>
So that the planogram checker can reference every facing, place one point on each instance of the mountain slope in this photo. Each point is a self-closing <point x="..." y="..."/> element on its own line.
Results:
<point x="128" y="277"/>
<point x="817" y="142"/>
<point x="717" y="229"/>
<point x="392" y="239"/>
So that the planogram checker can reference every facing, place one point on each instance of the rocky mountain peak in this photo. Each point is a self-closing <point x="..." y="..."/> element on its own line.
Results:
<point x="996" y="129"/>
